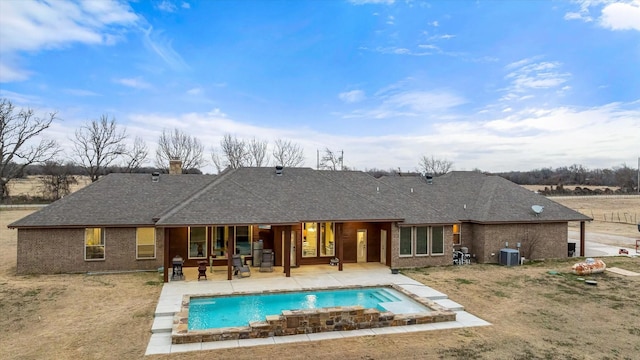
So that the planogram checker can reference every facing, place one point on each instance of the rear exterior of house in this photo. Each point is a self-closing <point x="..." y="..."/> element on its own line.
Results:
<point x="128" y="222"/>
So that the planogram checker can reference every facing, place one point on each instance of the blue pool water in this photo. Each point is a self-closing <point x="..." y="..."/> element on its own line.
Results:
<point x="227" y="311"/>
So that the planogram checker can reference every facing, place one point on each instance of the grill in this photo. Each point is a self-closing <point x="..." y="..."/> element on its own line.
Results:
<point x="177" y="268"/>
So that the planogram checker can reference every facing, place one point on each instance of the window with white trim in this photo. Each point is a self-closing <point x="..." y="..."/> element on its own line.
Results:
<point x="146" y="243"/>
<point x="422" y="240"/>
<point x="456" y="234"/>
<point x="437" y="240"/>
<point x="309" y="239"/>
<point x="198" y="242"/>
<point x="94" y="243"/>
<point x="406" y="242"/>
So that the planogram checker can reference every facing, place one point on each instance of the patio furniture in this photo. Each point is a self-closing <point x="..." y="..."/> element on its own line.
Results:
<point x="177" y="262"/>
<point x="202" y="269"/>
<point x="266" y="263"/>
<point x="238" y="267"/>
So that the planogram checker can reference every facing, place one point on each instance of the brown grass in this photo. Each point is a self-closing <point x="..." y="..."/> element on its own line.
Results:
<point x="535" y="315"/>
<point x="601" y="208"/>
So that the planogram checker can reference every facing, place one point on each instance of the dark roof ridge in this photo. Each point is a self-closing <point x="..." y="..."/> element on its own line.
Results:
<point x="359" y="194"/>
<point x="172" y="210"/>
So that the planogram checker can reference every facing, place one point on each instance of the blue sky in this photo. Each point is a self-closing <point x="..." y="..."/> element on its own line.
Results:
<point x="494" y="85"/>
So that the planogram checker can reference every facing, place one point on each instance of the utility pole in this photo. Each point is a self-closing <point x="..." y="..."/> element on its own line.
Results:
<point x="638" y="183"/>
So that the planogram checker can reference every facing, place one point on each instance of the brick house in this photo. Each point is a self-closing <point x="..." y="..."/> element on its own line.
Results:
<point x="140" y="222"/>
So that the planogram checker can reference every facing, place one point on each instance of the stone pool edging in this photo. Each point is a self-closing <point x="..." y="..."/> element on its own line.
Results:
<point x="308" y="321"/>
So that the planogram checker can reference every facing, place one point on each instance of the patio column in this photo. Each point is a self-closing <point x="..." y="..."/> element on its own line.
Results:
<point x="167" y="261"/>
<point x="582" y="238"/>
<point x="287" y="251"/>
<point x="340" y="247"/>
<point x="230" y="251"/>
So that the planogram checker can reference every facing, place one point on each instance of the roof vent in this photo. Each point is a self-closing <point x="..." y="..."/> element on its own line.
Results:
<point x="429" y="179"/>
<point x="155" y="177"/>
<point x="279" y="170"/>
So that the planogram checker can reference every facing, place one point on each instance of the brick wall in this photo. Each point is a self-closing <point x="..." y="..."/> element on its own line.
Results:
<point x="538" y="241"/>
<point x="48" y="251"/>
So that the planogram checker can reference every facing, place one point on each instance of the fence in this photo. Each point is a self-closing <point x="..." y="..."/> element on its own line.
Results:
<point x="616" y="217"/>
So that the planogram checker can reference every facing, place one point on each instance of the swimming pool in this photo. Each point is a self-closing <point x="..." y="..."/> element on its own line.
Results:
<point x="224" y="317"/>
<point x="241" y="310"/>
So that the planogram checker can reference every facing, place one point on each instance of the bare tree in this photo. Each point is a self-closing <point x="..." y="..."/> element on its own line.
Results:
<point x="178" y="145"/>
<point x="257" y="153"/>
<point x="433" y="166"/>
<point x="20" y="142"/>
<point x="233" y="153"/>
<point x="137" y="155"/>
<point x="56" y="180"/>
<point x="98" y="144"/>
<point x="287" y="154"/>
<point x="332" y="160"/>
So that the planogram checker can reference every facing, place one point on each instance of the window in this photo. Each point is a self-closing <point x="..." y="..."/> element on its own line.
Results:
<point x="145" y="243"/>
<point x="243" y="245"/>
<point x="94" y="244"/>
<point x="437" y="240"/>
<point x="406" y="244"/>
<point x="309" y="240"/>
<point x="221" y="236"/>
<point x="456" y="234"/>
<point x="327" y="239"/>
<point x="422" y="240"/>
<point x="197" y="243"/>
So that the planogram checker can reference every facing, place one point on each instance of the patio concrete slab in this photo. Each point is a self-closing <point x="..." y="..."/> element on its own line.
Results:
<point x="225" y="344"/>
<point x="162" y="324"/>
<point x="353" y="333"/>
<point x="449" y="304"/>
<point x="290" y="339"/>
<point x="186" y="347"/>
<point x="624" y="272"/>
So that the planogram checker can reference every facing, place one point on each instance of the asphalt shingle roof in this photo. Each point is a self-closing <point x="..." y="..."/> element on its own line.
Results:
<point x="117" y="200"/>
<point x="259" y="196"/>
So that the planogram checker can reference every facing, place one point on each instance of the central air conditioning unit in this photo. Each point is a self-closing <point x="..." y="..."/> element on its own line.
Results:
<point x="509" y="257"/>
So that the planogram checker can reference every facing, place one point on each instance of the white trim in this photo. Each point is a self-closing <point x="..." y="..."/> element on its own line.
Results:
<point x="154" y="244"/>
<point x="206" y="245"/>
<point x="103" y="238"/>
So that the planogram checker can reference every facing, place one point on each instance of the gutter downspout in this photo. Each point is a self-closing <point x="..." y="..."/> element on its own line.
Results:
<point x="582" y="238"/>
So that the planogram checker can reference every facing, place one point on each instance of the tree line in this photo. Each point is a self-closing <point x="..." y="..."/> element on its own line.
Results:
<point x="101" y="146"/>
<point x="622" y="176"/>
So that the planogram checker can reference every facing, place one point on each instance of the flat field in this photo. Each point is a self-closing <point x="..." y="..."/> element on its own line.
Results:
<point x="535" y="315"/>
<point x="608" y="213"/>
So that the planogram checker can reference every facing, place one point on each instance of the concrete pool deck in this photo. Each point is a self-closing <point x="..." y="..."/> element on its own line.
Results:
<point x="303" y="278"/>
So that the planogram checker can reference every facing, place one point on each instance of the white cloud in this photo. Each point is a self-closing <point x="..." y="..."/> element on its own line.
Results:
<point x="34" y="26"/>
<point x="434" y="23"/>
<point x="80" y="92"/>
<point x="621" y="16"/>
<point x="136" y="83"/>
<point x="613" y="15"/>
<point x="521" y="139"/>
<point x="352" y="96"/>
<point x="10" y="73"/>
<point x="185" y="5"/>
<point x="166" y="6"/>
<point x="400" y="100"/>
<point x="195" y="91"/>
<point x="156" y="42"/>
<point x="527" y="75"/>
<point x="363" y="2"/>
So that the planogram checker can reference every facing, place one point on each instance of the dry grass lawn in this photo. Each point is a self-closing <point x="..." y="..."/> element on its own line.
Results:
<point x="535" y="315"/>
<point x="599" y="207"/>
